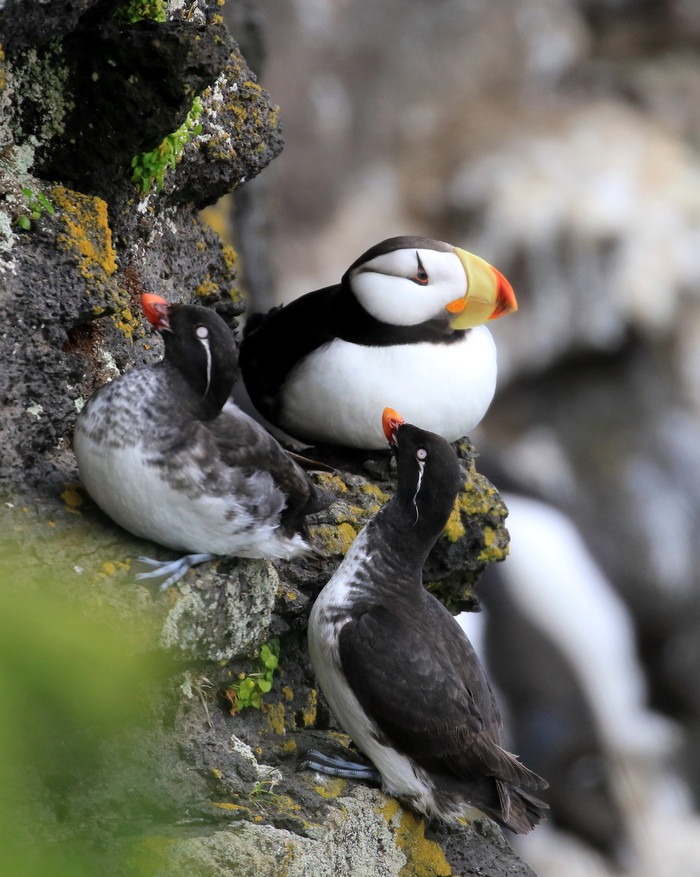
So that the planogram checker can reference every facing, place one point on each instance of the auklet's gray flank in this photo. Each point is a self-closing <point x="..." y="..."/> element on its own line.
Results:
<point x="404" y="323"/>
<point x="167" y="456"/>
<point x="398" y="672"/>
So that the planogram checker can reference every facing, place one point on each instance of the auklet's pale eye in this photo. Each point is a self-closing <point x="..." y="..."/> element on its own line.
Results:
<point x="406" y="322"/>
<point x="398" y="672"/>
<point x="164" y="452"/>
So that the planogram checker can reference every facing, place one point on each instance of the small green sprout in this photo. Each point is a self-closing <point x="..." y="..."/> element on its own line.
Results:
<point x="38" y="204"/>
<point x="150" y="167"/>
<point x="249" y="689"/>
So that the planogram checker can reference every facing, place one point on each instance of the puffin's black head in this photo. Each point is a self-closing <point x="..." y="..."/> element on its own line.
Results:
<point x="199" y="344"/>
<point x="429" y="474"/>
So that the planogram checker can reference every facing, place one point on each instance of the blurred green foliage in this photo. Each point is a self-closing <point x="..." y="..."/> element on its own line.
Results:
<point x="74" y="682"/>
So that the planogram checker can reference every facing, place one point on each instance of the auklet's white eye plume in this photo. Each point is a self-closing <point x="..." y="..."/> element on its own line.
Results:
<point x="397" y="670"/>
<point x="404" y="323"/>
<point x="167" y="456"/>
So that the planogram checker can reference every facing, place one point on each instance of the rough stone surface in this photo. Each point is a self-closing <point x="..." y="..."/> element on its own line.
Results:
<point x="79" y="97"/>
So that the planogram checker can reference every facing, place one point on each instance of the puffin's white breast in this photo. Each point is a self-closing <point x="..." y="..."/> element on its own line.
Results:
<point x="132" y="492"/>
<point x="128" y="467"/>
<point x="338" y="392"/>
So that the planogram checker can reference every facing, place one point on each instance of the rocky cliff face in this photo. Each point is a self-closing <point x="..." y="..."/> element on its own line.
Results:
<point x="116" y="128"/>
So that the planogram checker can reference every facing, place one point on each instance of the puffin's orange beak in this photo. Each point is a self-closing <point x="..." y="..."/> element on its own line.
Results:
<point x="155" y="308"/>
<point x="391" y="421"/>
<point x="489" y="295"/>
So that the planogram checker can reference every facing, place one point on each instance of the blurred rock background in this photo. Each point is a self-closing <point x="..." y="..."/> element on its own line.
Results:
<point x="558" y="139"/>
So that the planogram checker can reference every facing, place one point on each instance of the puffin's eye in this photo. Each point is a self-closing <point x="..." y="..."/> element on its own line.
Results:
<point x="201" y="332"/>
<point x="421" y="275"/>
<point x="421" y="454"/>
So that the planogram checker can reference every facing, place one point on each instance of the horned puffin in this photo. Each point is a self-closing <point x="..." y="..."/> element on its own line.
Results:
<point x="167" y="456"/>
<point x="398" y="672"/>
<point x="406" y="322"/>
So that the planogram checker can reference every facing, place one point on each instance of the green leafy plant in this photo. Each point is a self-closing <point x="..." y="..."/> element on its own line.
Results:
<point x="150" y="167"/>
<point x="248" y="691"/>
<point x="138" y="10"/>
<point x="37" y="204"/>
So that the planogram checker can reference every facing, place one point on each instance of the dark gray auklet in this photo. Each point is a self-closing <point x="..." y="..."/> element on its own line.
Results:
<point x="397" y="670"/>
<point x="404" y="323"/>
<point x="166" y="455"/>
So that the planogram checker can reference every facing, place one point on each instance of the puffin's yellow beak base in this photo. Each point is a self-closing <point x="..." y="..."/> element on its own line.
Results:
<point x="489" y="295"/>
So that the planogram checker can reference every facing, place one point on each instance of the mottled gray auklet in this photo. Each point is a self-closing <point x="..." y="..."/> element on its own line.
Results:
<point x="404" y="323"/>
<point x="166" y="455"/>
<point x="397" y="670"/>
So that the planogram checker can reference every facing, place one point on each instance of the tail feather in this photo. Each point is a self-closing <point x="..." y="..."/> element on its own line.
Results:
<point x="520" y="812"/>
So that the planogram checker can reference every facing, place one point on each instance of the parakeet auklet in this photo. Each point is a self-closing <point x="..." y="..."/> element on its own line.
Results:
<point x="166" y="455"/>
<point x="397" y="670"/>
<point x="405" y="323"/>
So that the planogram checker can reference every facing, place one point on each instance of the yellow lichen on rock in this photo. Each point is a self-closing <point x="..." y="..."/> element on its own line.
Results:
<point x="478" y="496"/>
<point x="493" y="549"/>
<point x="207" y="287"/>
<point x="331" y="787"/>
<point x="454" y="528"/>
<point x="275" y="716"/>
<point x="334" y="538"/>
<point x="308" y="713"/>
<point x="331" y="482"/>
<point x="374" y="490"/>
<point x="424" y="858"/>
<point x="86" y="234"/>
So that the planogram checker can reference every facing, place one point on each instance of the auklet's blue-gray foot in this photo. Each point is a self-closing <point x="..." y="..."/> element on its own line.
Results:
<point x="165" y="453"/>
<point x="398" y="672"/>
<point x="404" y="323"/>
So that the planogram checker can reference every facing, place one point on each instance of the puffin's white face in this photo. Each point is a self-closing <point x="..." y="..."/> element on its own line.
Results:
<point x="409" y="286"/>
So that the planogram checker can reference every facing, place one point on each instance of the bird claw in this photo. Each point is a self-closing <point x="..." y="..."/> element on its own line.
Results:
<point x="335" y="766"/>
<point x="174" y="569"/>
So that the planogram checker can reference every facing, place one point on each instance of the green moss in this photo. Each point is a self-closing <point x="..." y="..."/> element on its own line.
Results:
<point x="139" y="10"/>
<point x="150" y="167"/>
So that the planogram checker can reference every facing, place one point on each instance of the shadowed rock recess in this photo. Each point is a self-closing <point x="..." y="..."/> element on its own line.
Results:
<point x="209" y="785"/>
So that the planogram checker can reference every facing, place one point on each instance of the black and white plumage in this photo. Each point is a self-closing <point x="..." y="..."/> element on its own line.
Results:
<point x="398" y="672"/>
<point x="167" y="456"/>
<point x="405" y="323"/>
